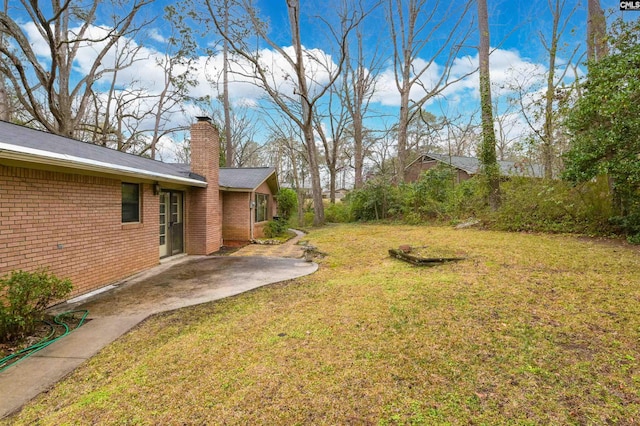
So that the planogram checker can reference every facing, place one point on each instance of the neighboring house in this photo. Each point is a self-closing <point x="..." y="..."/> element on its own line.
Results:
<point x="305" y="192"/>
<point x="466" y="167"/>
<point x="339" y="193"/>
<point x="247" y="202"/>
<point x="96" y="215"/>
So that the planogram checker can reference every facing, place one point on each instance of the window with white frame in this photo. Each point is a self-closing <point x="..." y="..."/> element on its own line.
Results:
<point x="262" y="204"/>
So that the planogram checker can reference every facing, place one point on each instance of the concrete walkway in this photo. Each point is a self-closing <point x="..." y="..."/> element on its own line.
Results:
<point x="181" y="282"/>
<point x="289" y="249"/>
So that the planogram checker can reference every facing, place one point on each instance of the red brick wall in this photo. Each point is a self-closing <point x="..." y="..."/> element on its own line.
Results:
<point x="264" y="189"/>
<point x="258" y="227"/>
<point x="415" y="170"/>
<point x="204" y="232"/>
<point x="236" y="216"/>
<point x="71" y="224"/>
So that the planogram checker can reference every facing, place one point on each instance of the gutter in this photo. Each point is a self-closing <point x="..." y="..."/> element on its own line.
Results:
<point x="39" y="156"/>
<point x="235" y="189"/>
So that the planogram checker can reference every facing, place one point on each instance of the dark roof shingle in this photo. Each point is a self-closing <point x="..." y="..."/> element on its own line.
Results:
<point x="471" y="165"/>
<point x="245" y="178"/>
<point x="67" y="148"/>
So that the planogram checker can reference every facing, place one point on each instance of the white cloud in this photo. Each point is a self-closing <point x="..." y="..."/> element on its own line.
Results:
<point x="509" y="69"/>
<point x="38" y="44"/>
<point x="155" y="35"/>
<point x="505" y="66"/>
<point x="244" y="88"/>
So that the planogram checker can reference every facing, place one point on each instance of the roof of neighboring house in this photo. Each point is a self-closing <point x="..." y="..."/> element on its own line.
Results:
<point x="24" y="144"/>
<point x="471" y="165"/>
<point x="248" y="178"/>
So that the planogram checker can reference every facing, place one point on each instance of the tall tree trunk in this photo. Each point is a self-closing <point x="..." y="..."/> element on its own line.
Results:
<point x="5" y="103"/>
<point x="403" y="129"/>
<point x="225" y="91"/>
<point x="298" y="187"/>
<point x="488" y="150"/>
<point x="358" y="152"/>
<point x="547" y="136"/>
<point x="361" y="72"/>
<point x="307" y="113"/>
<point x="597" y="47"/>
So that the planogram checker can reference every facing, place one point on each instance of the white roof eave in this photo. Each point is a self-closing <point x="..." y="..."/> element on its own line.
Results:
<point x="32" y="155"/>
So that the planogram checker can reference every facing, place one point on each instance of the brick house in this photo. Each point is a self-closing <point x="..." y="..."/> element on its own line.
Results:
<point x="467" y="167"/>
<point x="247" y="202"/>
<point x="96" y="215"/>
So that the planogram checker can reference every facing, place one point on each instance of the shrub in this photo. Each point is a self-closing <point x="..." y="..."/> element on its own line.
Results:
<point x="429" y="196"/>
<point x="377" y="199"/>
<point x="308" y="219"/>
<point x="275" y="228"/>
<point x="337" y="213"/>
<point x="25" y="296"/>
<point x="287" y="202"/>
<point x="553" y="206"/>
<point x="468" y="199"/>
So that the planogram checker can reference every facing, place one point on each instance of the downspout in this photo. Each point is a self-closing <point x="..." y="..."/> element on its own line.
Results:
<point x="252" y="208"/>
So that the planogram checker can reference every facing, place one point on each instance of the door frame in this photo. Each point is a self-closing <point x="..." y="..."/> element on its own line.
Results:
<point x="173" y="225"/>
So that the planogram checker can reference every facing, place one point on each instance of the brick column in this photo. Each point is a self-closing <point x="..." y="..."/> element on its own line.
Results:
<point x="204" y="227"/>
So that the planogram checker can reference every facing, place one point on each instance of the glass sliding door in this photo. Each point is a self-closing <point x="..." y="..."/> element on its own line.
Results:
<point x="171" y="223"/>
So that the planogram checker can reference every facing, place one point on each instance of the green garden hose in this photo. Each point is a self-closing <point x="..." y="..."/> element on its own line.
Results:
<point x="18" y="356"/>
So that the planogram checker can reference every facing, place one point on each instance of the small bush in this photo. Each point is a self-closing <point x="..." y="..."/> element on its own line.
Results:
<point x="628" y="225"/>
<point x="429" y="197"/>
<point x="308" y="219"/>
<point x="377" y="199"/>
<point x="275" y="228"/>
<point x="468" y="199"/>
<point x="337" y="213"/>
<point x="25" y="296"/>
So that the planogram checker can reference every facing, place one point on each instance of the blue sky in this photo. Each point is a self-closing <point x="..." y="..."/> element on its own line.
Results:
<point x="515" y="26"/>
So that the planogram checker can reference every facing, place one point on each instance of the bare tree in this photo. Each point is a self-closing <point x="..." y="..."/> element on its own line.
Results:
<point x="47" y="89"/>
<point x="462" y="137"/>
<point x="307" y="90"/>
<point x="381" y="155"/>
<point x="505" y="137"/>
<point x="288" y="156"/>
<point x="135" y="115"/>
<point x="488" y="150"/>
<point x="229" y="154"/>
<point x="553" y="81"/>
<point x="243" y="128"/>
<point x="336" y="120"/>
<point x="414" y="25"/>
<point x="540" y="112"/>
<point x="109" y="109"/>
<point x="358" y="87"/>
<point x="5" y="100"/>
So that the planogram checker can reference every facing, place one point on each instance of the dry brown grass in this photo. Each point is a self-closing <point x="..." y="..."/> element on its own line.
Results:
<point x="531" y="329"/>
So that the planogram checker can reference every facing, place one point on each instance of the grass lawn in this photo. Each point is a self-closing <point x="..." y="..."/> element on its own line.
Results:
<point x="530" y="329"/>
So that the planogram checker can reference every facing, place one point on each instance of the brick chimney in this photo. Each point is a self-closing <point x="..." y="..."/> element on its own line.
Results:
<point x="204" y="220"/>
